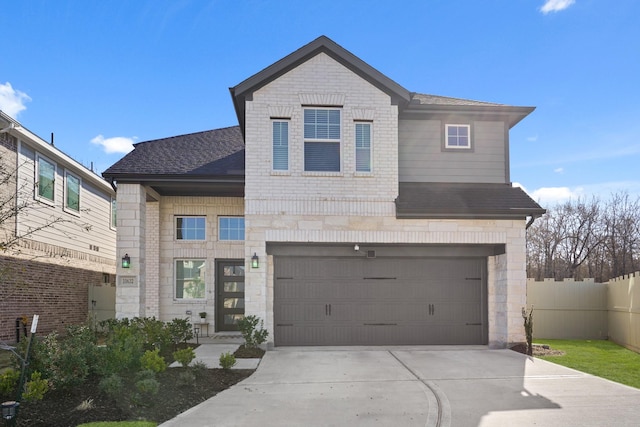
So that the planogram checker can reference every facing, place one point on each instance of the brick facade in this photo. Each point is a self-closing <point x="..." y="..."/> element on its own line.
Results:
<point x="58" y="293"/>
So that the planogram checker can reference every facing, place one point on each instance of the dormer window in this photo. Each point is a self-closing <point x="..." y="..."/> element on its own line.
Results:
<point x="457" y="136"/>
<point x="322" y="136"/>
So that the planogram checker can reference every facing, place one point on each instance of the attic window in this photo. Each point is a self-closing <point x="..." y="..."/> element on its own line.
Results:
<point x="457" y="136"/>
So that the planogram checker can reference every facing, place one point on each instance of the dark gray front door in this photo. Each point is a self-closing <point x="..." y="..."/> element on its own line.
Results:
<point x="382" y="301"/>
<point x="229" y="294"/>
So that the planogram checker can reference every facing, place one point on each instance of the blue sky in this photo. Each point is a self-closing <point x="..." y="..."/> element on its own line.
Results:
<point x="104" y="74"/>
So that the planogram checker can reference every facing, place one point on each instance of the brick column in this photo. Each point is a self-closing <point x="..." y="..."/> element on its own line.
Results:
<point x="152" y="274"/>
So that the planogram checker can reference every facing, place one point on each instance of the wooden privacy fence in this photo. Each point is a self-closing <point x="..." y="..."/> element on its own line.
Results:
<point x="587" y="310"/>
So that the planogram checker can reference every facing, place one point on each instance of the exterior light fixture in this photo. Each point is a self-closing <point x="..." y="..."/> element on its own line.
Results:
<point x="126" y="261"/>
<point x="255" y="261"/>
<point x="9" y="411"/>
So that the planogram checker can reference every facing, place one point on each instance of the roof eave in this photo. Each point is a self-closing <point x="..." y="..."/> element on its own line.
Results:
<point x="511" y="114"/>
<point x="244" y="90"/>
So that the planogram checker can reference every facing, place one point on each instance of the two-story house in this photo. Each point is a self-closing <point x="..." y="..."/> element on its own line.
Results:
<point x="343" y="210"/>
<point x="57" y="229"/>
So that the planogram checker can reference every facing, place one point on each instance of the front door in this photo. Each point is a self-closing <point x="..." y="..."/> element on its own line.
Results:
<point x="229" y="294"/>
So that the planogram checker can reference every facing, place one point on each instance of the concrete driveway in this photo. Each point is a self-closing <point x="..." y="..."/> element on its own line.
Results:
<point x="415" y="386"/>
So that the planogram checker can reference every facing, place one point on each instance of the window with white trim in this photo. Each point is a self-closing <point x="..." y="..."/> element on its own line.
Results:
<point x="45" y="179"/>
<point x="72" y="185"/>
<point x="190" y="228"/>
<point x="280" y="145"/>
<point x="114" y="207"/>
<point x="457" y="136"/>
<point x="322" y="137"/>
<point x="190" y="279"/>
<point x="363" y="147"/>
<point x="231" y="228"/>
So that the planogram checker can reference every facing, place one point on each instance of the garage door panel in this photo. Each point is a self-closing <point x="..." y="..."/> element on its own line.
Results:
<point x="360" y="301"/>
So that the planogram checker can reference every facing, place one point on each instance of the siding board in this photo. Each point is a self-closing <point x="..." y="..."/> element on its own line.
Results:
<point x="421" y="158"/>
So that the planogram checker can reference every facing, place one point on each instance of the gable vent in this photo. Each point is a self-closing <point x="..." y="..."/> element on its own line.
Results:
<point x="371" y="254"/>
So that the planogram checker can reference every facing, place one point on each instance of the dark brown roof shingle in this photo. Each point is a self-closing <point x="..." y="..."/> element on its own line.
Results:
<point x="460" y="200"/>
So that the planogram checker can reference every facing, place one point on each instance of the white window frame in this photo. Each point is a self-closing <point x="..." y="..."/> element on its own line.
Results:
<point x="203" y="277"/>
<point x="447" y="145"/>
<point x="323" y="140"/>
<point x="356" y="148"/>
<point x="37" y="195"/>
<point x="273" y="144"/>
<point x="183" y="239"/>
<point x="244" y="230"/>
<point x="66" y="206"/>
<point x="113" y="214"/>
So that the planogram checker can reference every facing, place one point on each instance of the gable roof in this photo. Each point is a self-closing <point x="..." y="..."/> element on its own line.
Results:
<point x="244" y="90"/>
<point x="460" y="200"/>
<point x="210" y="157"/>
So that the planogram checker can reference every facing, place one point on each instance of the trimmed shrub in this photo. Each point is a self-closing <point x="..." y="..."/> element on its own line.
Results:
<point x="184" y="356"/>
<point x="111" y="385"/>
<point x="227" y="360"/>
<point x="35" y="388"/>
<point x="152" y="361"/>
<point x="9" y="382"/>
<point x="253" y="336"/>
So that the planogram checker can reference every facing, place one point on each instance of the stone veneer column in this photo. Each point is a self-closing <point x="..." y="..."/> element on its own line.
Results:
<point x="130" y="285"/>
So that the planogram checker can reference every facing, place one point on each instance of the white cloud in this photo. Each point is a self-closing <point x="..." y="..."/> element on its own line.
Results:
<point x="532" y="138"/>
<point x="117" y="144"/>
<point x="12" y="101"/>
<point x="546" y="196"/>
<point x="555" y="5"/>
<point x="559" y="170"/>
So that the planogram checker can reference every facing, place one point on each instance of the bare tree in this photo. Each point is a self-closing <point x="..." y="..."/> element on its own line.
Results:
<point x="622" y="230"/>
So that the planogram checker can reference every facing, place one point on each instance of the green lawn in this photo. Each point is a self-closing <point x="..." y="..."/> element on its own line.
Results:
<point x="601" y="358"/>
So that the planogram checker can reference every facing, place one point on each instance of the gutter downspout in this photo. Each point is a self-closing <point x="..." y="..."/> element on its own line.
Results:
<point x="530" y="222"/>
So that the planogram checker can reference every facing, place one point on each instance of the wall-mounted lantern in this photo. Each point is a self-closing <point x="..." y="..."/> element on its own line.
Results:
<point x="126" y="261"/>
<point x="255" y="261"/>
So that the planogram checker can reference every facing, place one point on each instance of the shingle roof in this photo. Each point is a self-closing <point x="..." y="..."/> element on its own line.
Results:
<point x="457" y="200"/>
<point x="218" y="152"/>
<point x="425" y="99"/>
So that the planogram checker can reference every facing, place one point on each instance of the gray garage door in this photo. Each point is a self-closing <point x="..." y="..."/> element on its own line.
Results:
<point x="381" y="301"/>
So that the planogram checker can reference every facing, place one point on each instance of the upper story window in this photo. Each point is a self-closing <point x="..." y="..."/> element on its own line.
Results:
<point x="72" y="185"/>
<point x="190" y="279"/>
<point x="231" y="228"/>
<point x="457" y="136"/>
<point x="322" y="135"/>
<point x="190" y="228"/>
<point x="280" y="145"/>
<point x="363" y="147"/>
<point x="114" y="219"/>
<point x="46" y="179"/>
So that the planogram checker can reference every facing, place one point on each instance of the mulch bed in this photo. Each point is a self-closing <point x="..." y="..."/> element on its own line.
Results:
<point x="538" y="350"/>
<point x="248" y="352"/>
<point x="60" y="408"/>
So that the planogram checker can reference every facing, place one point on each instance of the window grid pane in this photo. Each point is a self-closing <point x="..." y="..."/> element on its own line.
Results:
<point x="73" y="193"/>
<point x="458" y="136"/>
<point x="363" y="147"/>
<point x="190" y="228"/>
<point x="280" y="145"/>
<point x="46" y="179"/>
<point x="190" y="279"/>
<point x="231" y="228"/>
<point x="322" y="140"/>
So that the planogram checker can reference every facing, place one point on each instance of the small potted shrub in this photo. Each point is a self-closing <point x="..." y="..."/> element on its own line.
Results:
<point x="203" y="316"/>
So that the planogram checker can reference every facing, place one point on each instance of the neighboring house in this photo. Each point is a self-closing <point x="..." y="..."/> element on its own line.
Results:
<point x="343" y="210"/>
<point x="57" y="227"/>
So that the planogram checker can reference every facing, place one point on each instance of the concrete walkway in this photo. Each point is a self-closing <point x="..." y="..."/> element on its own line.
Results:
<point x="414" y="386"/>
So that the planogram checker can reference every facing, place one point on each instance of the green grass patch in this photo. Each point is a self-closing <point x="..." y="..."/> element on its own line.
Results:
<point x="597" y="357"/>
<point x="121" y="424"/>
